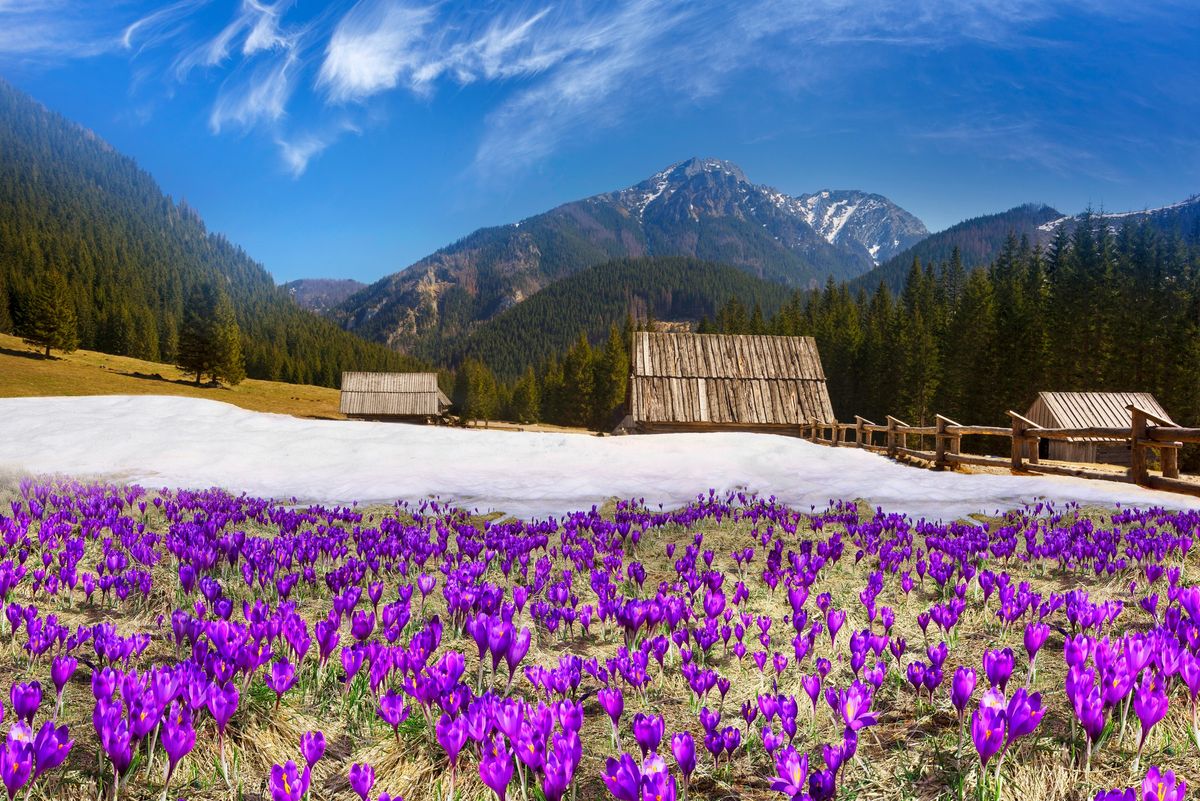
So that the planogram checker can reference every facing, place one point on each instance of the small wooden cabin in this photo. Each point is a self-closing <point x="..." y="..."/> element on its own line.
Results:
<point x="399" y="397"/>
<point x="1089" y="410"/>
<point x="724" y="382"/>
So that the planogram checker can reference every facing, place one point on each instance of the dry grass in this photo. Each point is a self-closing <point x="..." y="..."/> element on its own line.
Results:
<point x="909" y="755"/>
<point x="23" y="373"/>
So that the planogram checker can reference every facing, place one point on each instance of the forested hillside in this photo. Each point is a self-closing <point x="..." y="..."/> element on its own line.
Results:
<point x="978" y="241"/>
<point x="131" y="255"/>
<point x="1095" y="310"/>
<point x="591" y="301"/>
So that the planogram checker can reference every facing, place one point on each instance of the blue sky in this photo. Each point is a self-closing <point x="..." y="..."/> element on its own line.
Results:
<point x="348" y="139"/>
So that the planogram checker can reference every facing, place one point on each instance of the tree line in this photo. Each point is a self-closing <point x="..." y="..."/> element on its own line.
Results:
<point x="1094" y="310"/>
<point x="586" y="387"/>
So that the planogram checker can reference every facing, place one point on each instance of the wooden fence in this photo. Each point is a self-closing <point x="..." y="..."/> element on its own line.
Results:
<point x="1146" y="432"/>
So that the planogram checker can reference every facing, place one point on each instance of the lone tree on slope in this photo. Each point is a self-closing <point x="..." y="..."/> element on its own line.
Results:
<point x="48" y="317"/>
<point x="209" y="340"/>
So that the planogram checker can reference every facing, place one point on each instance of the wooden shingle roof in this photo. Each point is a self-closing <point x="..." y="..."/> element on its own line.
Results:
<point x="391" y="395"/>
<point x="727" y="379"/>
<point x="1090" y="409"/>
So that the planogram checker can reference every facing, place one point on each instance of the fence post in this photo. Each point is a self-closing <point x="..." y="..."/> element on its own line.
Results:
<point x="858" y="430"/>
<point x="836" y="433"/>
<point x="894" y="427"/>
<point x="1138" y="425"/>
<point x="943" y="441"/>
<point x="1018" y="442"/>
<point x="1170" y="461"/>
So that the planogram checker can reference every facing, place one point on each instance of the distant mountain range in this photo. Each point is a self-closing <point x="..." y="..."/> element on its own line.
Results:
<point x="700" y="208"/>
<point x="675" y="246"/>
<point x="322" y="294"/>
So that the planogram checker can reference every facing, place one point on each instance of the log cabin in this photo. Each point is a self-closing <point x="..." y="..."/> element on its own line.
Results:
<point x="393" y="397"/>
<point x="724" y="382"/>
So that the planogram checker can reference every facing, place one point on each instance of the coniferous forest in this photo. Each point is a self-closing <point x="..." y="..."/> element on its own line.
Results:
<point x="1096" y="309"/>
<point x="70" y="205"/>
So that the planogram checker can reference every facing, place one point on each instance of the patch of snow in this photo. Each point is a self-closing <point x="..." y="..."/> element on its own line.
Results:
<point x="1050" y="226"/>
<point x="874" y="251"/>
<point x="834" y="219"/>
<point x="186" y="442"/>
<point x="661" y="180"/>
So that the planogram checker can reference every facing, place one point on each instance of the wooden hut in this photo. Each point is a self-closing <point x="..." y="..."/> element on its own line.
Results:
<point x="723" y="382"/>
<point x="400" y="397"/>
<point x="1089" y="410"/>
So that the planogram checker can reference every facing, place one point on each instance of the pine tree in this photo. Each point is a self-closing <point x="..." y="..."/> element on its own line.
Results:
<point x="577" y="384"/>
<point x="476" y="393"/>
<point x="6" y="321"/>
<point x="551" y="391"/>
<point x="48" y="316"/>
<point x="610" y="380"/>
<point x="526" y="402"/>
<point x="209" y="339"/>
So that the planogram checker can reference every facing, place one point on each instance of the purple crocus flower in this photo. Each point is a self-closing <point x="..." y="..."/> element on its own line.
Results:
<point x="312" y="746"/>
<point x="16" y="758"/>
<point x="496" y="766"/>
<point x="854" y="704"/>
<point x="684" y="749"/>
<point x="178" y="735"/>
<point x="961" y="687"/>
<point x="648" y="731"/>
<point x="998" y="667"/>
<point x="988" y="731"/>
<point x="1023" y="714"/>
<point x="288" y="783"/>
<point x="51" y="747"/>
<point x="622" y="777"/>
<point x="26" y="698"/>
<point x="280" y="678"/>
<point x="1161" y="785"/>
<point x="1150" y="704"/>
<point x="362" y="779"/>
<point x="791" y="770"/>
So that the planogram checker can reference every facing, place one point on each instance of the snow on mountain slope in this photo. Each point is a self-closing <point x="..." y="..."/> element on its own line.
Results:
<point x="186" y="442"/>
<point x="1175" y="212"/>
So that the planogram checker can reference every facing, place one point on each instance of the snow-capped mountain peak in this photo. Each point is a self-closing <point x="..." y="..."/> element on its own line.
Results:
<point x="869" y="226"/>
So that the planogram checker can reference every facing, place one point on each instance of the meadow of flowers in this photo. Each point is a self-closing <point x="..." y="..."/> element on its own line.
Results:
<point x="202" y="645"/>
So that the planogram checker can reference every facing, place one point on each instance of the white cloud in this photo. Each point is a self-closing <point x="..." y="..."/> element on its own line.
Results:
<point x="373" y="46"/>
<point x="260" y="98"/>
<point x="158" y="26"/>
<point x="299" y="152"/>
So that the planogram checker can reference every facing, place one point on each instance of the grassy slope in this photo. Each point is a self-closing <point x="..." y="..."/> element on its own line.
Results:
<point x="23" y="373"/>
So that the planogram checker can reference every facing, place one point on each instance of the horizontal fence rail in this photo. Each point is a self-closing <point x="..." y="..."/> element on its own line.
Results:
<point x="1146" y="432"/>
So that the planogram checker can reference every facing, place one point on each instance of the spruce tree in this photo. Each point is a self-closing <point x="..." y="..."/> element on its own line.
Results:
<point x="552" y="391"/>
<point x="475" y="391"/>
<point x="526" y="403"/>
<point x="209" y="339"/>
<point x="48" y="316"/>
<point x="6" y="321"/>
<point x="610" y="380"/>
<point x="577" y="384"/>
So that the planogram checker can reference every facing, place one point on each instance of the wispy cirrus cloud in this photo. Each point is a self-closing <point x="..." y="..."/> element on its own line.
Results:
<point x="563" y="69"/>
